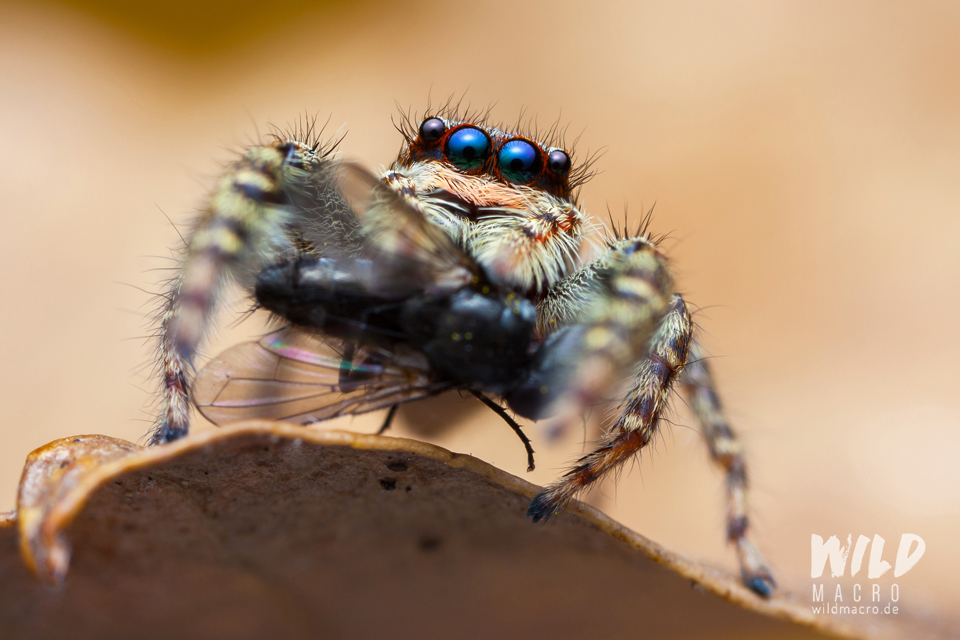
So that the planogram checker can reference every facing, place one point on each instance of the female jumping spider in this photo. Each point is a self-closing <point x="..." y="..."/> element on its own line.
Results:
<point x="457" y="268"/>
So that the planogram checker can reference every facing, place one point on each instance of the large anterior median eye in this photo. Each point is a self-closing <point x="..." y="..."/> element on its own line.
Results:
<point x="467" y="148"/>
<point x="519" y="161"/>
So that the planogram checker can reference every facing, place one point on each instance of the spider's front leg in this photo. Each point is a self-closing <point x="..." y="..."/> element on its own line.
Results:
<point x="640" y="413"/>
<point x="625" y="301"/>
<point x="245" y="224"/>
<point x="668" y="355"/>
<point x="726" y="451"/>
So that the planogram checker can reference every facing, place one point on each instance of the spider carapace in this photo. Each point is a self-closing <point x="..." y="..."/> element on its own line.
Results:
<point x="457" y="268"/>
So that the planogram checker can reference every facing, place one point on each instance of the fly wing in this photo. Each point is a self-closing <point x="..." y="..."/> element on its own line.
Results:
<point x="411" y="254"/>
<point x="300" y="377"/>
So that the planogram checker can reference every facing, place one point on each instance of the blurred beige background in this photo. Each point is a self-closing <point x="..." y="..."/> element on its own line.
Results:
<point x="803" y="156"/>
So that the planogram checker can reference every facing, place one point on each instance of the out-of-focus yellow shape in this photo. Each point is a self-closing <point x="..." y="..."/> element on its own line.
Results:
<point x="196" y="27"/>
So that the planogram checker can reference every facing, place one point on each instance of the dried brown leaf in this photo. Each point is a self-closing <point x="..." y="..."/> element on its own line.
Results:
<point x="273" y="530"/>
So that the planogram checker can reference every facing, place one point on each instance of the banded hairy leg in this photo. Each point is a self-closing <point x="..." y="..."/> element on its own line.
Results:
<point x="640" y="413"/>
<point x="672" y="356"/>
<point x="633" y="320"/>
<point x="727" y="452"/>
<point x="247" y="223"/>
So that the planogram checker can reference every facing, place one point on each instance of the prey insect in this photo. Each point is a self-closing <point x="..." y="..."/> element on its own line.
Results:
<point x="456" y="268"/>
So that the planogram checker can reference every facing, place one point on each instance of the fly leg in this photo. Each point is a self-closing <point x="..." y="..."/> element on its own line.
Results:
<point x="388" y="420"/>
<point x="513" y="425"/>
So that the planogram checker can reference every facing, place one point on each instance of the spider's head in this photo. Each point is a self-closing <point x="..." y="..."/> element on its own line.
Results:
<point x="490" y="156"/>
<point x="506" y="198"/>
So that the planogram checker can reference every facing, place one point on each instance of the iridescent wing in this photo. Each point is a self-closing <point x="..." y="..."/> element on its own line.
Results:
<point x="301" y="377"/>
<point x="412" y="255"/>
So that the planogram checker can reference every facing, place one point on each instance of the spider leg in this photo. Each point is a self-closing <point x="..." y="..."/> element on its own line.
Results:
<point x="727" y="452"/>
<point x="669" y="350"/>
<point x="625" y="300"/>
<point x="639" y="418"/>
<point x="244" y="225"/>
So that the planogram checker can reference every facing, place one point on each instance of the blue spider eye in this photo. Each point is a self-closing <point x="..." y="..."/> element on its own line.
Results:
<point x="558" y="163"/>
<point x="467" y="148"/>
<point x="519" y="161"/>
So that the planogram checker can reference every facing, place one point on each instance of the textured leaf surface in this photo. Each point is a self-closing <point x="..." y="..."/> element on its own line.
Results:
<point x="270" y="530"/>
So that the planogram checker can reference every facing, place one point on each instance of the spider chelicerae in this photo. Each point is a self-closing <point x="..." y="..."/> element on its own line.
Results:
<point x="456" y="268"/>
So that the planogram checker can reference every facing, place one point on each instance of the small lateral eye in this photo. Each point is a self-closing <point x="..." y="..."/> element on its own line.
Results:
<point x="467" y="148"/>
<point x="519" y="161"/>
<point x="558" y="163"/>
<point x="432" y="129"/>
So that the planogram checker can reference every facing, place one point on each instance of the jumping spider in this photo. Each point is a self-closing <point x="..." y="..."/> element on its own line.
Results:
<point x="456" y="268"/>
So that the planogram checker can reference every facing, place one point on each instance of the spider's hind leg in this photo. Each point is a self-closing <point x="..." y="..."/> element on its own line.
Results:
<point x="727" y="452"/>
